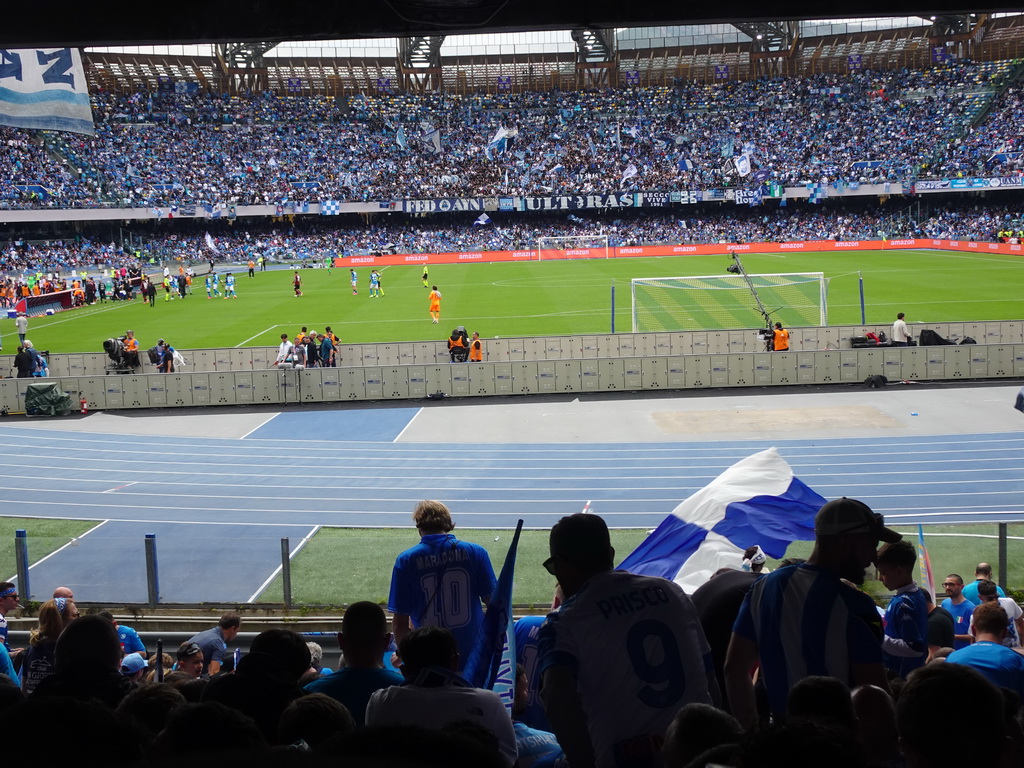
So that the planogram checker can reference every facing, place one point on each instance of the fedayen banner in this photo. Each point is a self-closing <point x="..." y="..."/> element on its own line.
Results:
<point x="45" y="89"/>
<point x="444" y="205"/>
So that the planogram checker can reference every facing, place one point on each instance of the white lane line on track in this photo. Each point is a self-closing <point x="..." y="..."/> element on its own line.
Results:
<point x="292" y="554"/>
<point x="398" y="437"/>
<point x="73" y="543"/>
<point x="260" y="425"/>
<point x="118" y="488"/>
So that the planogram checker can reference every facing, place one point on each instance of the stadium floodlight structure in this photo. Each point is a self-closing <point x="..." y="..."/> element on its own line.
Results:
<point x="573" y="247"/>
<point x="739" y="300"/>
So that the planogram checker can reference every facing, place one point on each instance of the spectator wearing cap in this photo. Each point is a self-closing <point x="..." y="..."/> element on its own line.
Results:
<point x="807" y="620"/>
<point x="982" y="573"/>
<point x="190" y="659"/>
<point x="213" y="642"/>
<point x="133" y="666"/>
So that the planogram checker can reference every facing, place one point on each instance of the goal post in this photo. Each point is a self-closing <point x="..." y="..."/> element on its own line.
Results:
<point x="715" y="302"/>
<point x="573" y="247"/>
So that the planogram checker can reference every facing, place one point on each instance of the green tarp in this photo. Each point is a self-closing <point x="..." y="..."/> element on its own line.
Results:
<point x="46" y="399"/>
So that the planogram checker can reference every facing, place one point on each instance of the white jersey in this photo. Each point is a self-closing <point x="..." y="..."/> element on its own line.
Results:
<point x="639" y="652"/>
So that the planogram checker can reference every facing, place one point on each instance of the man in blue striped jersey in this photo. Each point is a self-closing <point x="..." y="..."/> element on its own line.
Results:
<point x="811" y="619"/>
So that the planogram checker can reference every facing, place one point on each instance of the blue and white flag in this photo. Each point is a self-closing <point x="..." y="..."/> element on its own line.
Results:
<point x="45" y="89"/>
<point x="400" y="138"/>
<point x="591" y="146"/>
<point x="817" y="193"/>
<point x="755" y="501"/>
<point x="482" y="220"/>
<point x="633" y="131"/>
<point x="742" y="165"/>
<point x="629" y="173"/>
<point x="210" y="244"/>
<point x="685" y="164"/>
<point x="492" y="662"/>
<point x="330" y="207"/>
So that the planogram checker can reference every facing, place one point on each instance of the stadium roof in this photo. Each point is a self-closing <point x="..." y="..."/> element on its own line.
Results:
<point x="120" y="22"/>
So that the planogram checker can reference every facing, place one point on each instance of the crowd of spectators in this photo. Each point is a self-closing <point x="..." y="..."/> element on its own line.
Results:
<point x="162" y="149"/>
<point x="642" y="692"/>
<point x="315" y="239"/>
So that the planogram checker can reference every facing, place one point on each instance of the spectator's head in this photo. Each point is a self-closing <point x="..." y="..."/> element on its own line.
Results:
<point x="876" y="724"/>
<point x="53" y="618"/>
<point x="432" y="517"/>
<point x="899" y="315"/>
<point x="822" y="699"/>
<point x="8" y="597"/>
<point x="314" y="718"/>
<point x="988" y="591"/>
<point x="427" y="647"/>
<point x="895" y="563"/>
<point x="286" y="646"/>
<point x="65" y="591"/>
<point x="364" y="634"/>
<point x="229" y="625"/>
<point x="209" y="729"/>
<point x="133" y="666"/>
<point x="983" y="571"/>
<point x="754" y="559"/>
<point x="953" y="585"/>
<point x="930" y="695"/>
<point x="316" y="655"/>
<point x="89" y="643"/>
<point x="580" y="547"/>
<point x="695" y="729"/>
<point x="847" y="533"/>
<point x="149" y="706"/>
<point x="190" y="659"/>
<point x="990" y="620"/>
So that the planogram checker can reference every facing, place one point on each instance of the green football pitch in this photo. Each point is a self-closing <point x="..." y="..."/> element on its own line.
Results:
<point x="529" y="299"/>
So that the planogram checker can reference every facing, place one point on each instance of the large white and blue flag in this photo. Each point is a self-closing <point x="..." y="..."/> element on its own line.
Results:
<point x="44" y="88"/>
<point x="742" y="163"/>
<point x="755" y="501"/>
<point x="492" y="662"/>
<point x="482" y="220"/>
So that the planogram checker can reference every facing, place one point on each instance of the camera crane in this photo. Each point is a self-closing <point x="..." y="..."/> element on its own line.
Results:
<point x="736" y="268"/>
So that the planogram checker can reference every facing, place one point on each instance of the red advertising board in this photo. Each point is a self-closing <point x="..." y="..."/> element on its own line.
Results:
<point x="674" y="250"/>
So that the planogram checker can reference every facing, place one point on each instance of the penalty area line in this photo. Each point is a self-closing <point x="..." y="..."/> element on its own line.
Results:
<point x="265" y="330"/>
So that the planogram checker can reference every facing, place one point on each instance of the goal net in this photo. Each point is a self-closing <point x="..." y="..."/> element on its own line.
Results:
<point x="725" y="301"/>
<point x="573" y="247"/>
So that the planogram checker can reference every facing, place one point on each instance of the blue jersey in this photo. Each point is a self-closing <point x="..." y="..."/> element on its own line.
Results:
<point x="906" y="618"/>
<point x="970" y="591"/>
<point x="1003" y="666"/>
<point x="806" y="622"/>
<point x="440" y="582"/>
<point x="374" y="278"/>
<point x="130" y="640"/>
<point x="535" y="745"/>
<point x="961" y="619"/>
<point x="528" y="654"/>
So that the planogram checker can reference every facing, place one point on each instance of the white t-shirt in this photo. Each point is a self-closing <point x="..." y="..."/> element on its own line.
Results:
<point x="436" y="707"/>
<point x="899" y="332"/>
<point x="1013" y="612"/>
<point x="639" y="653"/>
<point x="284" y="351"/>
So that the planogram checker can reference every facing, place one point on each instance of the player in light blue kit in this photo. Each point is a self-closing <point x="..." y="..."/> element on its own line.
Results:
<point x="209" y="287"/>
<point x="216" y="284"/>
<point x="374" y="284"/>
<point x="229" y="283"/>
<point x="441" y="582"/>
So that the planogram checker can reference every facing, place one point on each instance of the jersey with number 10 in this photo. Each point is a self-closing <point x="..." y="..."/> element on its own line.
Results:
<point x="440" y="583"/>
<point x="639" y="653"/>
